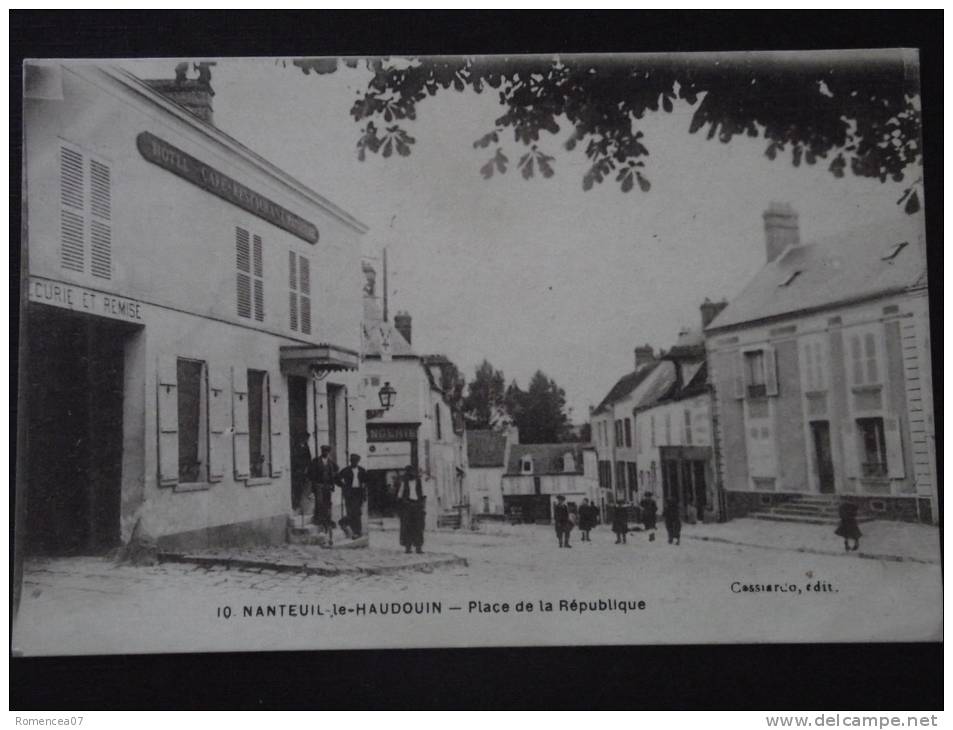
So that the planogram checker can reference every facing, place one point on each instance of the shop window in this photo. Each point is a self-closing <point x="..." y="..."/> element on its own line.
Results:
<point x="250" y="285"/>
<point x="259" y="426"/>
<point x="299" y="295"/>
<point x="85" y="213"/>
<point x="193" y="420"/>
<point x="873" y="447"/>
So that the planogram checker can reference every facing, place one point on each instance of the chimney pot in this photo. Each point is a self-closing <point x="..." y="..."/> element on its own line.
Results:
<point x="402" y="323"/>
<point x="780" y="229"/>
<point x="644" y="355"/>
<point x="710" y="310"/>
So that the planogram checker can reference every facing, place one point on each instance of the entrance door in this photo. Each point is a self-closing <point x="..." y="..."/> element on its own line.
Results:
<point x="75" y="400"/>
<point x="298" y="433"/>
<point x="823" y="463"/>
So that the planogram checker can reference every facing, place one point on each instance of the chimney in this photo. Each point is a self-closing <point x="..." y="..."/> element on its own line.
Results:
<point x="710" y="310"/>
<point x="780" y="229"/>
<point x="644" y="355"/>
<point x="402" y="324"/>
<point x="195" y="95"/>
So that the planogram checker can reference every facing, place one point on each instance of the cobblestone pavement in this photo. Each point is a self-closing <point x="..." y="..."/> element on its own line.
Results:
<point x="693" y="593"/>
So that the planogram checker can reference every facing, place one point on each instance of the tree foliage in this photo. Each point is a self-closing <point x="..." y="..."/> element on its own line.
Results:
<point x="850" y="111"/>
<point x="538" y="412"/>
<point x="483" y="404"/>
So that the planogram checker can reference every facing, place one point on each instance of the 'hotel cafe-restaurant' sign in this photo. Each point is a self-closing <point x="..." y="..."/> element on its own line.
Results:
<point x="171" y="158"/>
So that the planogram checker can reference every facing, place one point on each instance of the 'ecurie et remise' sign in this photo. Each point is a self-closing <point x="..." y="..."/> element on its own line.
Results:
<point x="171" y="158"/>
<point x="80" y="299"/>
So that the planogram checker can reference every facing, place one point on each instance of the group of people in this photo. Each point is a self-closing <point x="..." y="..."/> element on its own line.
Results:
<point x="323" y="477"/>
<point x="587" y="517"/>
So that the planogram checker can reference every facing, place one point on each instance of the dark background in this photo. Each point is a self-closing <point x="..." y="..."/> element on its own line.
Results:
<point x="805" y="677"/>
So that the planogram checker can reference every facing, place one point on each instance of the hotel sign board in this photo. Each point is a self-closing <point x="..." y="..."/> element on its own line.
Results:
<point x="88" y="301"/>
<point x="167" y="156"/>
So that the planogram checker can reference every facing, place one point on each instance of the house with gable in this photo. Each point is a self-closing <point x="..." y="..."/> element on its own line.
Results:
<point x="537" y="473"/>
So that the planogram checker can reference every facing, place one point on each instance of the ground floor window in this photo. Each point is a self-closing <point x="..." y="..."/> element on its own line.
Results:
<point x="873" y="446"/>
<point x="193" y="415"/>
<point x="259" y="443"/>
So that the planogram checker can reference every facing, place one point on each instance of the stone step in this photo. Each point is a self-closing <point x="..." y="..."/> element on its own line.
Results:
<point x="804" y="519"/>
<point x="804" y="509"/>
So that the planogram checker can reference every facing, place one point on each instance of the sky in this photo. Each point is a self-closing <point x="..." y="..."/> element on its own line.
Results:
<point x="535" y="274"/>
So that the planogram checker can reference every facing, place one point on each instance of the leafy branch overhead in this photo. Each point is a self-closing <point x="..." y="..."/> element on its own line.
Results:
<point x="847" y="111"/>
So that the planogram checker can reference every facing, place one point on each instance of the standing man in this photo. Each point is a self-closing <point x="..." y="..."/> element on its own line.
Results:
<point x="411" y="503"/>
<point x="353" y="482"/>
<point x="322" y="473"/>
<point x="649" y="514"/>
<point x="561" y="520"/>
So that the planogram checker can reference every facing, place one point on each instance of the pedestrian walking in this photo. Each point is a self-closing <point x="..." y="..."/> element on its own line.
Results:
<point x="412" y="505"/>
<point x="587" y="520"/>
<point x="620" y="522"/>
<point x="673" y="522"/>
<point x="848" y="528"/>
<point x="353" y="482"/>
<point x="322" y="473"/>
<point x="562" y="521"/>
<point x="649" y="514"/>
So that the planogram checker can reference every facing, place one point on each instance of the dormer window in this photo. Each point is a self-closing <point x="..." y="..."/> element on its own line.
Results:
<point x="893" y="250"/>
<point x="526" y="465"/>
<point x="569" y="462"/>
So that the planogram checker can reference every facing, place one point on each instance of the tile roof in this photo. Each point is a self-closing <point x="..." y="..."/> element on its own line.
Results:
<point x="485" y="448"/>
<point x="547" y="458"/>
<point x="850" y="266"/>
<point x="377" y="333"/>
<point x="624" y="386"/>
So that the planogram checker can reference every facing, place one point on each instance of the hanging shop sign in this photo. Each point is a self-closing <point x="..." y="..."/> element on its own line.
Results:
<point x="171" y="158"/>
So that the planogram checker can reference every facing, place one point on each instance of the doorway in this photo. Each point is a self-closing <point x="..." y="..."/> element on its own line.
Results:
<point x="298" y="433"/>
<point x="75" y="422"/>
<point x="823" y="461"/>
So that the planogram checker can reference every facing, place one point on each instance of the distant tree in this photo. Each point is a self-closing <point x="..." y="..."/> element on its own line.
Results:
<point x="855" y="110"/>
<point x="483" y="404"/>
<point x="452" y="384"/>
<point x="540" y="411"/>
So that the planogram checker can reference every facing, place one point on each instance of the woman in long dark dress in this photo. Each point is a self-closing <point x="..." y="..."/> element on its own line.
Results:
<point x="848" y="528"/>
<point x="620" y="521"/>
<point x="649" y="514"/>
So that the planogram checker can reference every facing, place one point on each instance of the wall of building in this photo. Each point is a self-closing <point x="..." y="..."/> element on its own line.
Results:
<point x="485" y="488"/>
<point x="551" y="484"/>
<point x="899" y="325"/>
<point x="668" y="421"/>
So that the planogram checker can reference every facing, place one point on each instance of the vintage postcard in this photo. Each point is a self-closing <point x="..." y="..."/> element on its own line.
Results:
<point x="352" y="353"/>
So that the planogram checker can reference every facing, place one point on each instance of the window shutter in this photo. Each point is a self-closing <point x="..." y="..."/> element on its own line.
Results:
<point x="218" y="419"/>
<point x="851" y="460"/>
<point x="243" y="264"/>
<point x="167" y="405"/>
<point x="240" y="422"/>
<point x="100" y="230"/>
<point x="304" y="272"/>
<point x="275" y="418"/>
<point x="259" y="282"/>
<point x="894" y="444"/>
<point x="72" y="206"/>
<point x="738" y="374"/>
<point x="770" y="371"/>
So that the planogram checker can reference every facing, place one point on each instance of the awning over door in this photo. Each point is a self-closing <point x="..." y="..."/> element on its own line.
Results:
<point x="305" y="359"/>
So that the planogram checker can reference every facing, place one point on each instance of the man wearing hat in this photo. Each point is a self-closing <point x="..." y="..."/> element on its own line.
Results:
<point x="562" y="521"/>
<point x="322" y="473"/>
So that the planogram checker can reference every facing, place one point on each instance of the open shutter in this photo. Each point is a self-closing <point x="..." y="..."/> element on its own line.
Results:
<point x="218" y="420"/>
<point x="737" y="372"/>
<point x="167" y="404"/>
<point x="240" y="422"/>
<point x="275" y="418"/>
<point x="894" y="444"/>
<point x="770" y="371"/>
<point x="851" y="460"/>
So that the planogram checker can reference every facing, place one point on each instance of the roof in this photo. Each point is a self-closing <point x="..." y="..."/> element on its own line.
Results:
<point x="659" y="388"/>
<point x="547" y="458"/>
<point x="377" y="334"/>
<point x="857" y="264"/>
<point x="624" y="386"/>
<point x="485" y="448"/>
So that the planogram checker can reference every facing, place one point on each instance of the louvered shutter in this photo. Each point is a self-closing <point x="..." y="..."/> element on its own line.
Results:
<point x="167" y="406"/>
<point x="851" y="460"/>
<point x="738" y="373"/>
<point x="275" y="418"/>
<point x="293" y="295"/>
<point x="894" y="446"/>
<point x="243" y="264"/>
<point x="100" y="225"/>
<point x="240" y="422"/>
<point x="259" y="282"/>
<point x="72" y="210"/>
<point x="218" y="420"/>
<point x="304" y="273"/>
<point x="770" y="371"/>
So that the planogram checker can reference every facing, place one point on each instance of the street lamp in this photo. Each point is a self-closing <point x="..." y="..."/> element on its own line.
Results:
<point x="387" y="395"/>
